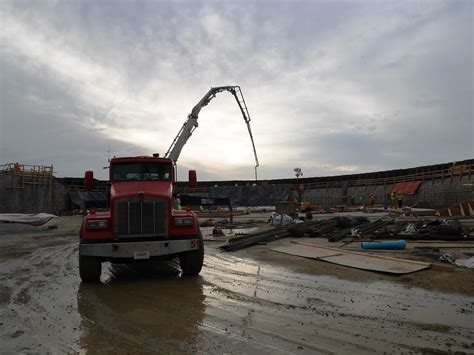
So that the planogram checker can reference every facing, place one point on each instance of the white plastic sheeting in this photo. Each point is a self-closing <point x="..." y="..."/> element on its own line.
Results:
<point x="469" y="263"/>
<point x="37" y="219"/>
<point x="277" y="219"/>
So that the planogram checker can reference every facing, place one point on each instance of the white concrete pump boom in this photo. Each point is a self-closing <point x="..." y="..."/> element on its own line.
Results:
<point x="191" y="123"/>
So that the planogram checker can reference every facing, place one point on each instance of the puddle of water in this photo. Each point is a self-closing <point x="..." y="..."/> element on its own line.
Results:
<point x="236" y="305"/>
<point x="149" y="304"/>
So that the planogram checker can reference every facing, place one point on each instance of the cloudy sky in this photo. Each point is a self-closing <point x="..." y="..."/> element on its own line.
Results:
<point x="332" y="87"/>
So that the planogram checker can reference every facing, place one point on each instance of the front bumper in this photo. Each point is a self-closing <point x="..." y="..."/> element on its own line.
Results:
<point x="138" y="250"/>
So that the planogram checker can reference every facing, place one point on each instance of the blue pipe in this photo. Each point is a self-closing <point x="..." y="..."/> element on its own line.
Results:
<point x="393" y="244"/>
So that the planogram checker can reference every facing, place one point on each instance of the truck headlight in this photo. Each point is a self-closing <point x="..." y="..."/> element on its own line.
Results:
<point x="97" y="224"/>
<point x="183" y="221"/>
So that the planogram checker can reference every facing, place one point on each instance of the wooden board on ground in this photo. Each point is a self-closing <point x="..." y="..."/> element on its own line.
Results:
<point x="304" y="251"/>
<point x="353" y="259"/>
<point x="413" y="245"/>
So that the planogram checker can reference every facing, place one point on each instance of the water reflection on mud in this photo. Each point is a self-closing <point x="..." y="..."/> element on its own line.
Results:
<point x="141" y="307"/>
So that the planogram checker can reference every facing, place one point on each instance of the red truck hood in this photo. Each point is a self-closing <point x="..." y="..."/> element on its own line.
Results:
<point x="149" y="188"/>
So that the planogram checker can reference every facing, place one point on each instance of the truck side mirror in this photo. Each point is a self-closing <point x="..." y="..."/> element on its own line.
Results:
<point x="89" y="180"/>
<point x="192" y="177"/>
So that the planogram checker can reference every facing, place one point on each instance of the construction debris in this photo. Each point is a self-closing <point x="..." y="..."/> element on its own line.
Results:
<point x="280" y="219"/>
<point x="434" y="230"/>
<point x="338" y="228"/>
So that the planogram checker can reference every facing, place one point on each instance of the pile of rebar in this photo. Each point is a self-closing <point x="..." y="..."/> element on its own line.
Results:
<point x="252" y="239"/>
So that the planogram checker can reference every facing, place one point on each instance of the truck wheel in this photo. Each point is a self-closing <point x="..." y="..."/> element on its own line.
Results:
<point x="191" y="261"/>
<point x="90" y="268"/>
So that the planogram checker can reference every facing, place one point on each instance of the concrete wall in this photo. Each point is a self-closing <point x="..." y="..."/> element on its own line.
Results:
<point x="253" y="195"/>
<point x="432" y="194"/>
<point x="445" y="193"/>
<point x="33" y="198"/>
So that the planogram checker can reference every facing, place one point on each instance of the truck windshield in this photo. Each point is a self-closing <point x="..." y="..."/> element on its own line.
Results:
<point x="141" y="172"/>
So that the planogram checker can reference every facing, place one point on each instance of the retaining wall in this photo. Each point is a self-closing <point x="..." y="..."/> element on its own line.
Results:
<point x="52" y="198"/>
<point x="443" y="185"/>
<point x="253" y="195"/>
<point x="431" y="194"/>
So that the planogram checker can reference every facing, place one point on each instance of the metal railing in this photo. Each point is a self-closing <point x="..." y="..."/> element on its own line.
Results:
<point x="22" y="175"/>
<point x="456" y="171"/>
<point x="425" y="174"/>
<point x="26" y="169"/>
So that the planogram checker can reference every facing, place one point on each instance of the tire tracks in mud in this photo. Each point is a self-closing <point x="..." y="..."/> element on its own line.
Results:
<point x="385" y="322"/>
<point x="41" y="284"/>
<point x="237" y="305"/>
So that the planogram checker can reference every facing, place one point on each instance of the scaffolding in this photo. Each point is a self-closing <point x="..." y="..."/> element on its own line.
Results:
<point x="27" y="175"/>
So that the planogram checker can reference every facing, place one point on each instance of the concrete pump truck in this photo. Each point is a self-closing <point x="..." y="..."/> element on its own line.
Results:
<point x="141" y="223"/>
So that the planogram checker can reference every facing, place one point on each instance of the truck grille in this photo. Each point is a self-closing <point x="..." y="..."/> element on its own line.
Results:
<point x="138" y="219"/>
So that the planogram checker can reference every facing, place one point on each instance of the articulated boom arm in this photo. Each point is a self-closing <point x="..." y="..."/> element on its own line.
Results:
<point x="191" y="123"/>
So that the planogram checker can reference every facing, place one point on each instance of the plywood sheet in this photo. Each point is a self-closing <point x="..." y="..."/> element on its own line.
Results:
<point x="368" y="262"/>
<point x="353" y="259"/>
<point x="305" y="251"/>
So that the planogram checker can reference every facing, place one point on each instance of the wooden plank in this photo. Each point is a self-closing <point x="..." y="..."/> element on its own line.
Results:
<point x="363" y="254"/>
<point x="411" y="243"/>
<point x="304" y="251"/>
<point x="445" y="247"/>
<point x="375" y="263"/>
<point x="353" y="259"/>
<point x="442" y="267"/>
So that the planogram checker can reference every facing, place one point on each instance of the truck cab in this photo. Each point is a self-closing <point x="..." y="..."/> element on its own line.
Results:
<point x="141" y="223"/>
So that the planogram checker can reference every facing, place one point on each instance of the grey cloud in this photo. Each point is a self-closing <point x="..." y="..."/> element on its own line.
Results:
<point x="336" y="85"/>
<point x="48" y="137"/>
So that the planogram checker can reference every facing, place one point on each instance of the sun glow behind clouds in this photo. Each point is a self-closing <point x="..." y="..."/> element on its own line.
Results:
<point x="311" y="75"/>
<point x="124" y="115"/>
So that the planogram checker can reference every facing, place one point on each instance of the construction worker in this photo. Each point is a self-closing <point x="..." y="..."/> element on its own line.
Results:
<point x="393" y="200"/>
<point x="400" y="199"/>
<point x="17" y="167"/>
<point x="177" y="203"/>
<point x="372" y="200"/>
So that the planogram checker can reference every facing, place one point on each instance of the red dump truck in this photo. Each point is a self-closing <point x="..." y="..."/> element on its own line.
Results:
<point x="141" y="223"/>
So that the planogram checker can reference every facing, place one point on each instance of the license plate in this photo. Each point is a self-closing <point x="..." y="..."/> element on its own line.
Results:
<point x="141" y="255"/>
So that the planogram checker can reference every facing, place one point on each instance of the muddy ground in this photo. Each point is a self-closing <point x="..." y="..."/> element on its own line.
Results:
<point x="251" y="301"/>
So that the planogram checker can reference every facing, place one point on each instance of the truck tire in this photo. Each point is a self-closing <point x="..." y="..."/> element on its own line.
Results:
<point x="191" y="261"/>
<point x="90" y="268"/>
